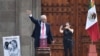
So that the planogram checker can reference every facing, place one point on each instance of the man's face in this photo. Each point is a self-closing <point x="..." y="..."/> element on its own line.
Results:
<point x="67" y="24"/>
<point x="10" y="47"/>
<point x="44" y="20"/>
<point x="14" y="44"/>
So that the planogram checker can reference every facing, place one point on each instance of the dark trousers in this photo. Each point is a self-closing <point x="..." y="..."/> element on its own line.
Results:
<point x="68" y="47"/>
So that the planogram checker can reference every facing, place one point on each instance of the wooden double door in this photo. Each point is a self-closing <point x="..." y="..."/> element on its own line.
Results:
<point x="75" y="12"/>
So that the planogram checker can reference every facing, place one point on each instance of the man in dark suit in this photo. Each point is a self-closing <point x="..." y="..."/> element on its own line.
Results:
<point x="38" y="33"/>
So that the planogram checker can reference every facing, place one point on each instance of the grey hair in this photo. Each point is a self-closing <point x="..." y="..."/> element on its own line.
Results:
<point x="43" y="16"/>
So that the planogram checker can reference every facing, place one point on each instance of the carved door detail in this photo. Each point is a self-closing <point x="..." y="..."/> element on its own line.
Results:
<point x="75" y="12"/>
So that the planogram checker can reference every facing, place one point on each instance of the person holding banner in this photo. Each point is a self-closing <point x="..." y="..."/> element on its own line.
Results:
<point x="42" y="33"/>
<point x="67" y="38"/>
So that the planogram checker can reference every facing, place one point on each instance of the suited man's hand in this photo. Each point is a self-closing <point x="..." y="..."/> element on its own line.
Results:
<point x="29" y="12"/>
<point x="53" y="41"/>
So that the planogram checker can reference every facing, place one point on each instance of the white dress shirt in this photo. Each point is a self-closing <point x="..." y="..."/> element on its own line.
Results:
<point x="43" y="32"/>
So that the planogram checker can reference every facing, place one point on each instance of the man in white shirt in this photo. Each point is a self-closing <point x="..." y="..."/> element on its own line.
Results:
<point x="41" y="31"/>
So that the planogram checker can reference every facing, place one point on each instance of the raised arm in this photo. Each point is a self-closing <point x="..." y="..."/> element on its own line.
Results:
<point x="61" y="30"/>
<point x="31" y="17"/>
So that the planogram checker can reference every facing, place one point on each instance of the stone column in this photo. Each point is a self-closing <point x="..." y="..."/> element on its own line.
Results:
<point x="36" y="9"/>
<point x="26" y="26"/>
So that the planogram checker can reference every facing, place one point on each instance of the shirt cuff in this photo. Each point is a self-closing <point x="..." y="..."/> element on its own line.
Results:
<point x="30" y="15"/>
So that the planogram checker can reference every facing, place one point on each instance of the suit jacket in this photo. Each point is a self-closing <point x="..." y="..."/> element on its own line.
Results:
<point x="37" y="30"/>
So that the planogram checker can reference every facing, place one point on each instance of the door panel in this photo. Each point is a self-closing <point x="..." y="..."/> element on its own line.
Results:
<point x="75" y="12"/>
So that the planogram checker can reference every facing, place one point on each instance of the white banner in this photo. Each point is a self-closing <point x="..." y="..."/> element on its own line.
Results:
<point x="11" y="46"/>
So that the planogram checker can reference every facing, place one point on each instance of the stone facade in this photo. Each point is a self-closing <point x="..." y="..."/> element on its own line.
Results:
<point x="15" y="21"/>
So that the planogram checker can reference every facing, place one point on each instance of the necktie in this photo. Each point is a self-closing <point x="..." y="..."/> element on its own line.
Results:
<point x="43" y="42"/>
<point x="43" y="30"/>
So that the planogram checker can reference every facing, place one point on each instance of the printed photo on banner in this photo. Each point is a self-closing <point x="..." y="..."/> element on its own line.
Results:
<point x="11" y="46"/>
